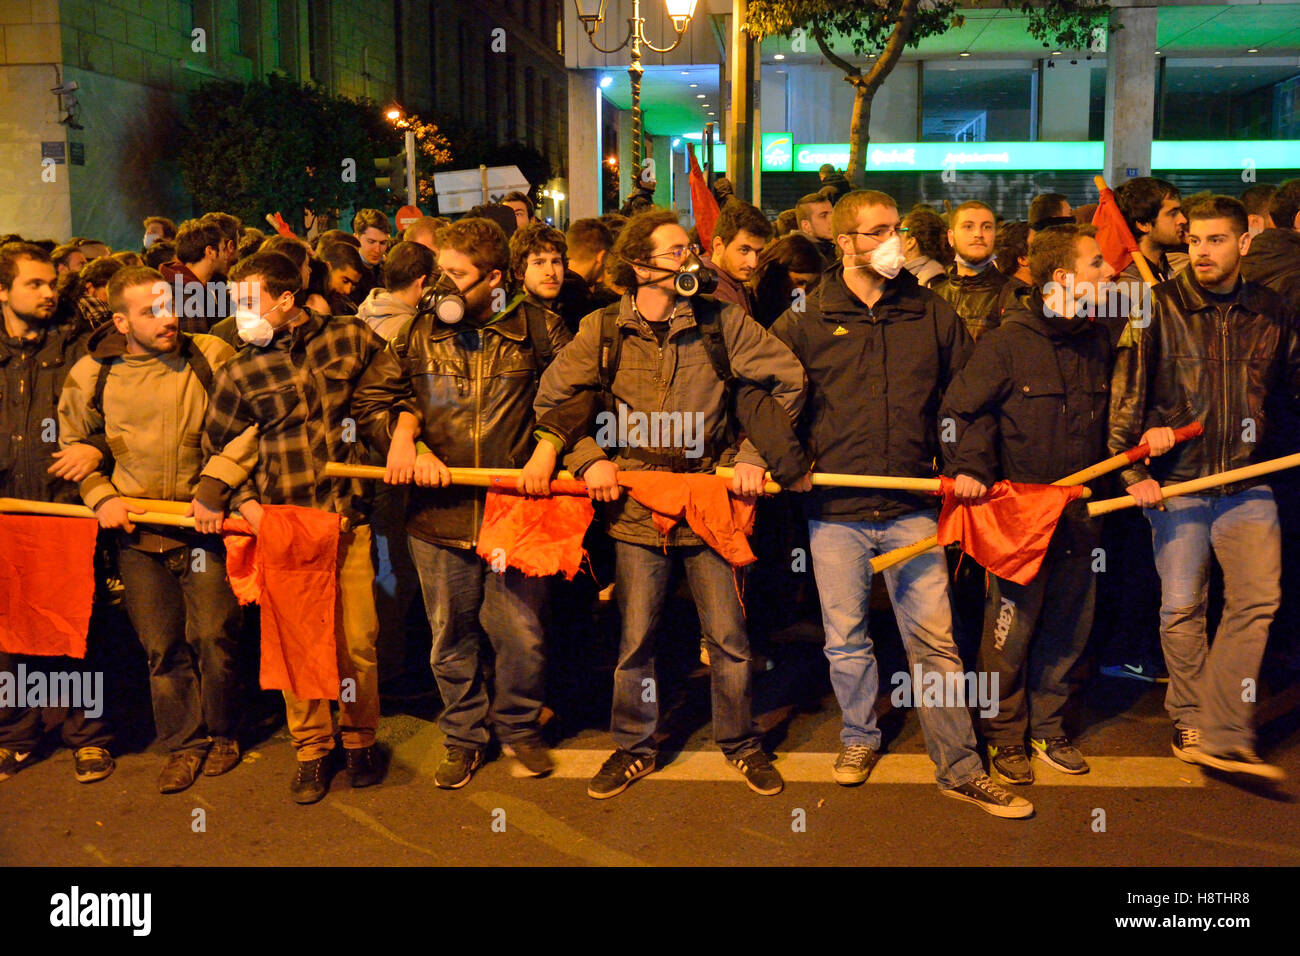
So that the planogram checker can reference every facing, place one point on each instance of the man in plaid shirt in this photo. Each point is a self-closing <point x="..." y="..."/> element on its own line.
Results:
<point x="294" y="381"/>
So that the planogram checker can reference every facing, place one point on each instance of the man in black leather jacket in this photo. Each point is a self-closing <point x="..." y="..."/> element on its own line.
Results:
<point x="472" y="384"/>
<point x="1223" y="352"/>
<point x="973" y="283"/>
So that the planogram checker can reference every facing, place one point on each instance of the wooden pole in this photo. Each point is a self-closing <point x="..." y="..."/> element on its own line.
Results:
<point x="1143" y="269"/>
<point x="171" y="518"/>
<point x="1201" y="484"/>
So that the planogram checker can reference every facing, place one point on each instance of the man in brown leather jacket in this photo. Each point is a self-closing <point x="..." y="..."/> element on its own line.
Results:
<point x="469" y="364"/>
<point x="1220" y="351"/>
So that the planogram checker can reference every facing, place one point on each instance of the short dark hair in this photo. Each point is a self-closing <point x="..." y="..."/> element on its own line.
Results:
<point x="634" y="243"/>
<point x="739" y="215"/>
<point x="801" y="210"/>
<point x="1140" y="199"/>
<point x="927" y="228"/>
<point x="531" y="238"/>
<point x="340" y="255"/>
<point x="1285" y="204"/>
<point x="279" y="274"/>
<point x="971" y="204"/>
<point x="588" y="237"/>
<point x="331" y="236"/>
<point x="1257" y="198"/>
<point x="164" y="250"/>
<point x="429" y="224"/>
<point x="482" y="240"/>
<point x="127" y="257"/>
<point x="230" y="226"/>
<point x="293" y="247"/>
<point x="845" y="215"/>
<point x="405" y="263"/>
<point x="1045" y="206"/>
<point x="129" y="277"/>
<point x="370" y="219"/>
<point x="250" y="240"/>
<point x="11" y="253"/>
<point x="196" y="235"/>
<point x="1218" y="207"/>
<point x="1056" y="247"/>
<point x="787" y="221"/>
<point x="169" y="227"/>
<point x="61" y="254"/>
<point x="1012" y="243"/>
<point x="519" y="197"/>
<point x="98" y="273"/>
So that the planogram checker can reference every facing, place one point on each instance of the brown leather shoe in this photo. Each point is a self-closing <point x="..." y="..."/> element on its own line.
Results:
<point x="180" y="771"/>
<point x="223" y="757"/>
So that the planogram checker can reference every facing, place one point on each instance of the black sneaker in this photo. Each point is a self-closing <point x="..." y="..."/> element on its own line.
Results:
<point x="1058" y="752"/>
<point x="92" y="763"/>
<point x="1186" y="739"/>
<point x="991" y="798"/>
<point x="1011" y="764"/>
<point x="759" y="773"/>
<point x="1148" y="673"/>
<point x="532" y="759"/>
<point x="618" y="772"/>
<point x="11" y="761"/>
<point x="457" y="767"/>
<point x="365" y="766"/>
<point x="1242" y="760"/>
<point x="311" y="780"/>
<point x="854" y="764"/>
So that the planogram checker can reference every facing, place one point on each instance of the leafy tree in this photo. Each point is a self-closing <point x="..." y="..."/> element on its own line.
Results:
<point x="884" y="27"/>
<point x="278" y="145"/>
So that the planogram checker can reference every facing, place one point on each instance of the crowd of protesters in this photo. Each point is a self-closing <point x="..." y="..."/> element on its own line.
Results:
<point x="223" y="368"/>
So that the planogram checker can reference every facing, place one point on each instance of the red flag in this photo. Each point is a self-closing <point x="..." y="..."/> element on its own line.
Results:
<point x="705" y="501"/>
<point x="1117" y="243"/>
<point x="1009" y="530"/>
<point x="704" y="206"/>
<point x="539" y="536"/>
<point x="47" y="584"/>
<point x="291" y="569"/>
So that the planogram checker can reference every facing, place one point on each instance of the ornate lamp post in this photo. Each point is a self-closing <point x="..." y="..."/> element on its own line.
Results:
<point x="592" y="14"/>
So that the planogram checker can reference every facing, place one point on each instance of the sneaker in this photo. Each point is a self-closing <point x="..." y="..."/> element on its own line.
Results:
<point x="1058" y="752"/>
<point x="532" y="759"/>
<point x="1186" y="739"/>
<point x="312" y="779"/>
<point x="457" y="767"/>
<point x="365" y="766"/>
<point x="180" y="771"/>
<point x="759" y="773"/>
<point x="854" y="764"/>
<point x="11" y="761"/>
<point x="618" y="772"/>
<point x="1010" y="764"/>
<point x="92" y="763"/>
<point x="1243" y="760"/>
<point x="991" y="798"/>
<point x="223" y="757"/>
<point x="1150" y="673"/>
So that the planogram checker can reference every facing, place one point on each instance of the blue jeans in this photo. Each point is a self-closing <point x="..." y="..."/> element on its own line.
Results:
<point x="466" y="600"/>
<point x="1206" y="684"/>
<point x="841" y="556"/>
<point x="642" y="574"/>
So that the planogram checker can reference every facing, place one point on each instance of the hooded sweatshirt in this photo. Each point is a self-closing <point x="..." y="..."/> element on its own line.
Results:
<point x="385" y="313"/>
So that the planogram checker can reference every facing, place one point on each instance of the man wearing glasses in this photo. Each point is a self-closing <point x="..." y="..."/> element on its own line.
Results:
<point x="879" y="350"/>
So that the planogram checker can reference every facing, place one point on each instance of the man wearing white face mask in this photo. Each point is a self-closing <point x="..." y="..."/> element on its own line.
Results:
<point x="294" y="381"/>
<point x="879" y="350"/>
<point x="973" y="284"/>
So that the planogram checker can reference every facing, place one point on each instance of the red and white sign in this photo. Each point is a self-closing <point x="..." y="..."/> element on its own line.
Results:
<point x="407" y="215"/>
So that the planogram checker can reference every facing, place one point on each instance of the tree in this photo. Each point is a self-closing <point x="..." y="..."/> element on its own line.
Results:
<point x="882" y="28"/>
<point x="277" y="145"/>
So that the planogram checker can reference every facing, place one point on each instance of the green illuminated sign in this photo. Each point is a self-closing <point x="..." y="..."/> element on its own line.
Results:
<point x="778" y="152"/>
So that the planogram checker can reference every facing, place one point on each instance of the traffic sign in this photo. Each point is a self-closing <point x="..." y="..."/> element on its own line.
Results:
<point x="407" y="215"/>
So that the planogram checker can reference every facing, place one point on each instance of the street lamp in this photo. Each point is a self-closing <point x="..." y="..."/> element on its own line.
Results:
<point x="592" y="15"/>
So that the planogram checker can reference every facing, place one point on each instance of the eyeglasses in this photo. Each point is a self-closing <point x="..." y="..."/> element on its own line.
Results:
<point x="880" y="235"/>
<point x="677" y="253"/>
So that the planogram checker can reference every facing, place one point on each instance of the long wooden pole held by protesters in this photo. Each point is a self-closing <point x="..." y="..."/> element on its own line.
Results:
<point x="1113" y="463"/>
<point x="140" y="510"/>
<point x="1244" y="473"/>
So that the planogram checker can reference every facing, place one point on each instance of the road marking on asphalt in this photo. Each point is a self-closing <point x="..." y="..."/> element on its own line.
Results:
<point x="540" y="825"/>
<point x="699" y="765"/>
<point x="370" y="823"/>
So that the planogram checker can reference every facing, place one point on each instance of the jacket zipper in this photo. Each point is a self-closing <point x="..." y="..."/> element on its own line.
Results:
<point x="478" y="422"/>
<point x="1223" y="387"/>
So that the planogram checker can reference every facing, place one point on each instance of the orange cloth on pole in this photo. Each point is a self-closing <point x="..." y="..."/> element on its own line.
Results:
<point x="47" y="584"/>
<point x="291" y="570"/>
<point x="1009" y="530"/>
<point x="1117" y="243"/>
<point x="704" y="205"/>
<point x="539" y="536"/>
<point x="705" y="501"/>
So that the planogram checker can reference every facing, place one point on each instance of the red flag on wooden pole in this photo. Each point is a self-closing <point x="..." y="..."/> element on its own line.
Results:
<point x="47" y="584"/>
<point x="1117" y="243"/>
<point x="704" y="206"/>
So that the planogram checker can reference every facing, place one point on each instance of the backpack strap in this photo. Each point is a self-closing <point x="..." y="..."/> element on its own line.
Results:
<point x="539" y="336"/>
<point x="197" y="361"/>
<point x="101" y="382"/>
<point x="708" y="313"/>
<point x="610" y="344"/>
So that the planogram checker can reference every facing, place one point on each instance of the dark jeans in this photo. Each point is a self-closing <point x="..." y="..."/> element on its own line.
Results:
<point x="188" y="622"/>
<point x="21" y="728"/>
<point x="465" y="600"/>
<point x="1035" y="633"/>
<point x="642" y="575"/>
